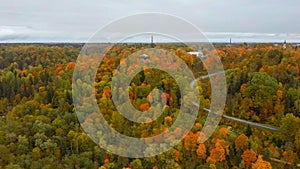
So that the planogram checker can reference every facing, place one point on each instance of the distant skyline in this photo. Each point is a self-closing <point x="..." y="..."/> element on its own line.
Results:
<point x="76" y="21"/>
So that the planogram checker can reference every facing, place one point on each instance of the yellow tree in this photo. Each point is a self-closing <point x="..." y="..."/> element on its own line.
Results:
<point x="217" y="154"/>
<point x="168" y="119"/>
<point x="223" y="132"/>
<point x="279" y="106"/>
<point x="190" y="141"/>
<point x="223" y="143"/>
<point x="249" y="156"/>
<point x="241" y="142"/>
<point x="36" y="153"/>
<point x="201" y="151"/>
<point x="261" y="164"/>
<point x="70" y="66"/>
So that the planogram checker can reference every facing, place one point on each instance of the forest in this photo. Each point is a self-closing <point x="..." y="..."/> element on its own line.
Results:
<point x="39" y="128"/>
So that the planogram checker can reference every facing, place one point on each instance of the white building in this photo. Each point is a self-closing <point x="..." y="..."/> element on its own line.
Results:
<point x="199" y="53"/>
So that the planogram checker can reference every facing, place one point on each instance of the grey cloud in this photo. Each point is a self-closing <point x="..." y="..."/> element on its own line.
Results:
<point x="67" y="20"/>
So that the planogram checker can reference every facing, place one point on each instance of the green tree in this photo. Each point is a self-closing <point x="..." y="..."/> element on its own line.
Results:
<point x="4" y="155"/>
<point x="289" y="125"/>
<point x="137" y="164"/>
<point x="262" y="90"/>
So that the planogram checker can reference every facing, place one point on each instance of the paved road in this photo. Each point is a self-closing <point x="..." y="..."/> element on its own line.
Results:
<point x="251" y="123"/>
<point x="192" y="84"/>
<point x="245" y="121"/>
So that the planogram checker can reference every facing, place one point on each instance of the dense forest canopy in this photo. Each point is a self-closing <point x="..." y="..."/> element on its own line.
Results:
<point x="39" y="127"/>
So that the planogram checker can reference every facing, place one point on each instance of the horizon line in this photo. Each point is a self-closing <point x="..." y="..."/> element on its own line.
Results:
<point x="142" y="42"/>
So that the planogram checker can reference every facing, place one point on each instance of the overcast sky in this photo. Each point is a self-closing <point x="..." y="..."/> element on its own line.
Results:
<point x="66" y="20"/>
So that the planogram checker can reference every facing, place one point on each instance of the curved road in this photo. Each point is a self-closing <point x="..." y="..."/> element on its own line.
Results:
<point x="246" y="122"/>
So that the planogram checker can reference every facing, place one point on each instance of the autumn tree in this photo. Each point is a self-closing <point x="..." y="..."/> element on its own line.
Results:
<point x="249" y="156"/>
<point x="217" y="154"/>
<point x="261" y="164"/>
<point x="289" y="156"/>
<point x="201" y="151"/>
<point x="241" y="142"/>
<point x="223" y="132"/>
